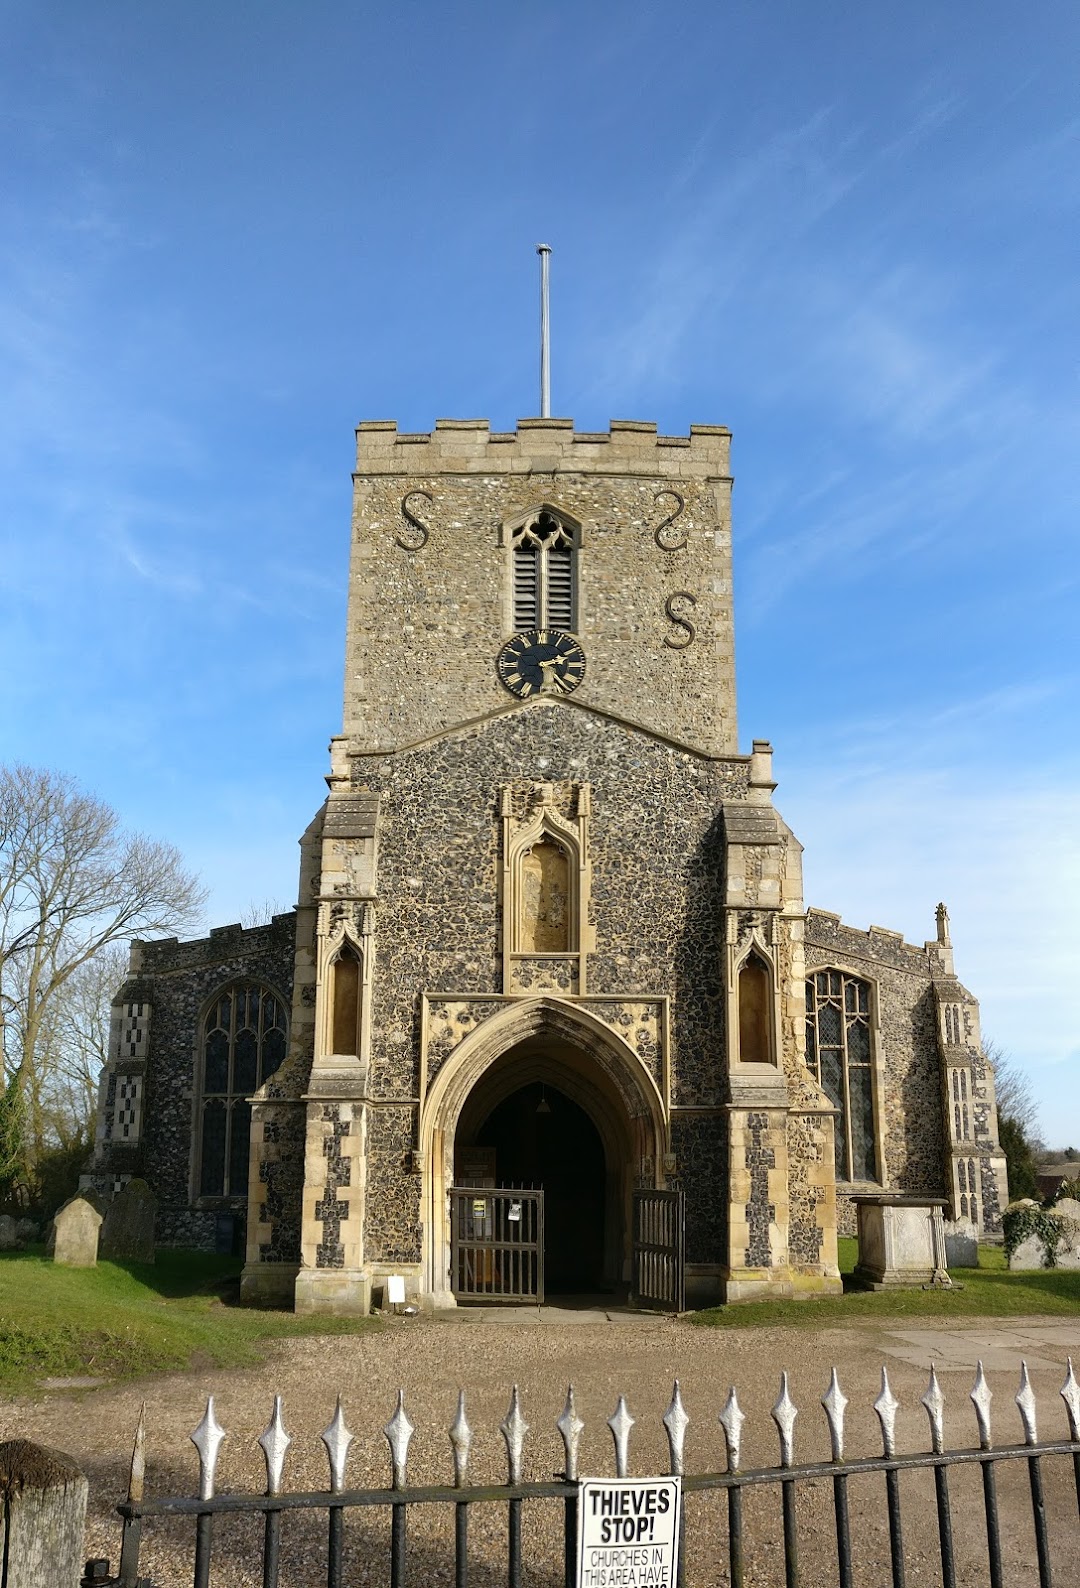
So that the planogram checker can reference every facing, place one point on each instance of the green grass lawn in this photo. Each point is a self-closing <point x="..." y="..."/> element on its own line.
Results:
<point x="989" y="1291"/>
<point x="122" y="1320"/>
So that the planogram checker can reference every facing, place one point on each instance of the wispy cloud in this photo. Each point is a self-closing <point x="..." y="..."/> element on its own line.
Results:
<point x="884" y="846"/>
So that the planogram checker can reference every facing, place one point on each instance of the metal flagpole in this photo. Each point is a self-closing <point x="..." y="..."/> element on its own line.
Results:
<point x="545" y="334"/>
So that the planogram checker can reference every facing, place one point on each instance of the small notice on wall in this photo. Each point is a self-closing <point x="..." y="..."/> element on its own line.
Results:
<point x="628" y="1532"/>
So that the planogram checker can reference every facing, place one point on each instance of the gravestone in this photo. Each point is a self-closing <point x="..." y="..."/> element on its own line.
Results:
<point x="1032" y="1253"/>
<point x="9" y="1234"/>
<point x="1067" y="1211"/>
<point x="75" y="1233"/>
<point x="127" y="1235"/>
<point x="961" y="1244"/>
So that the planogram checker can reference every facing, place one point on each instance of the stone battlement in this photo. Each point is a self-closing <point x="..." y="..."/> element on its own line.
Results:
<point x="162" y="955"/>
<point x="542" y="446"/>
<point x="877" y="943"/>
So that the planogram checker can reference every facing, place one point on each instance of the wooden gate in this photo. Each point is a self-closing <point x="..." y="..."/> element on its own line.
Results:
<point x="658" y="1282"/>
<point x="496" y="1244"/>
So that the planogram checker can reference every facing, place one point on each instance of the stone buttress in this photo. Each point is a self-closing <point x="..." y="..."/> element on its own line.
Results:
<point x="978" y="1182"/>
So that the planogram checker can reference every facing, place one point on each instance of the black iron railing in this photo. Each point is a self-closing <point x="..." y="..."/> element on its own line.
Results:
<point x="275" y="1506"/>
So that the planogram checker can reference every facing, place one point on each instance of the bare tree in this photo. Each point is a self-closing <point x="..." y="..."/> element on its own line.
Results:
<point x="1015" y="1097"/>
<point x="72" y="1047"/>
<point x="260" y="912"/>
<point x="72" y="882"/>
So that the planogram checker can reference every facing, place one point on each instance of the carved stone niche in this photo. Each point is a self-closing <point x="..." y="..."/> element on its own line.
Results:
<point x="546" y="877"/>
<point x="753" y="989"/>
<point x="345" y="949"/>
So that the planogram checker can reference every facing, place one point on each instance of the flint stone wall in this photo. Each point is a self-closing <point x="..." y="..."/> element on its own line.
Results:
<point x="655" y="845"/>
<point x="453" y="586"/>
<point x="182" y="980"/>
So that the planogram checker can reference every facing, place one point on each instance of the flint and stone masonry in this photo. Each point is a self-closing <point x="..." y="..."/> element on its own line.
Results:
<point x="550" y="925"/>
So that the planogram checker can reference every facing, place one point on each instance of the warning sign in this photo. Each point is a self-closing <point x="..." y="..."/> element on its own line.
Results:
<point x="628" y="1532"/>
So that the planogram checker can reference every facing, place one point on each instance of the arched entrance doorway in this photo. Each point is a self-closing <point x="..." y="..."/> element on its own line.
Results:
<point x="539" y="1138"/>
<point x="545" y="1095"/>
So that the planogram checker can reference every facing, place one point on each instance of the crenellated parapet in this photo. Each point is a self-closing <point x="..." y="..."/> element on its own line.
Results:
<point x="470" y="446"/>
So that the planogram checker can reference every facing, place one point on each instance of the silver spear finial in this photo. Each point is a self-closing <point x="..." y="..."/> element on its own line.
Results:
<point x="571" y="1428"/>
<point x="784" y="1414"/>
<point x="399" y="1430"/>
<point x="835" y="1403"/>
<point x="337" y="1439"/>
<point x="207" y="1441"/>
<point x="731" y="1420"/>
<point x="981" y="1396"/>
<point x="620" y="1422"/>
<point x="460" y="1440"/>
<point x="886" y="1406"/>
<point x="513" y="1429"/>
<point x="1025" y="1400"/>
<point x="675" y="1420"/>
<point x="275" y="1442"/>
<point x="1070" y="1394"/>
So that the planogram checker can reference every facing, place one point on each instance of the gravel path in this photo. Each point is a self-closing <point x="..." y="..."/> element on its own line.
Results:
<point x="631" y="1355"/>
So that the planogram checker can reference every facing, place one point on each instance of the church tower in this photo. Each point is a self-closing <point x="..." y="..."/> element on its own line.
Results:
<point x="549" y="932"/>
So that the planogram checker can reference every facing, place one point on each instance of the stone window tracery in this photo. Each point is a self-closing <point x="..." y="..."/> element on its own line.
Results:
<point x="838" y="1053"/>
<point x="544" y="551"/>
<point x="244" y="1038"/>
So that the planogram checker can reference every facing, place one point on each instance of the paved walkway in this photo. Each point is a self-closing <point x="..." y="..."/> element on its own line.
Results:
<point x="997" y="1344"/>
<point x="547" y="1316"/>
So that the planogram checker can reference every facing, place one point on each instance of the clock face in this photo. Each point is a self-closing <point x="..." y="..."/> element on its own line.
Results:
<point x="541" y="662"/>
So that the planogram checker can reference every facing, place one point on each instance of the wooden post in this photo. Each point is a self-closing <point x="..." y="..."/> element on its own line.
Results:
<point x="42" y="1517"/>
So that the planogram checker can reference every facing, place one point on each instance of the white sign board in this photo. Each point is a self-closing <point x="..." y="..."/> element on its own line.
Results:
<point x="628" y="1532"/>
<point x="395" y="1289"/>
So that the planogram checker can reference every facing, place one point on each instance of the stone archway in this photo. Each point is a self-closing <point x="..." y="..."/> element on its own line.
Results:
<point x="534" y="1045"/>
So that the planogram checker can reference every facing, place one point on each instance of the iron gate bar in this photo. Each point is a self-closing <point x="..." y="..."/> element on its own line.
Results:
<point x="495" y="1257"/>
<point x="658" y="1251"/>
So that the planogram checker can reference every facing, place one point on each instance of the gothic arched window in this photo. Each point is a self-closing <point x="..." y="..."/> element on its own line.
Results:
<point x="838" y="1053"/>
<point x="544" y="550"/>
<point x="244" y="1037"/>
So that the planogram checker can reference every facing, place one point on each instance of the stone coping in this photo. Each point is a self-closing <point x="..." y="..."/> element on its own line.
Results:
<point x="471" y="446"/>
<point x="889" y="1199"/>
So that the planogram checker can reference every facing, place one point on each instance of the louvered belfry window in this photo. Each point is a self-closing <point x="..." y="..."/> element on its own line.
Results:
<point x="544" y="594"/>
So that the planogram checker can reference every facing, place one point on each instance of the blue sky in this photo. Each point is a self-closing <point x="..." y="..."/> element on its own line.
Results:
<point x="849" y="231"/>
